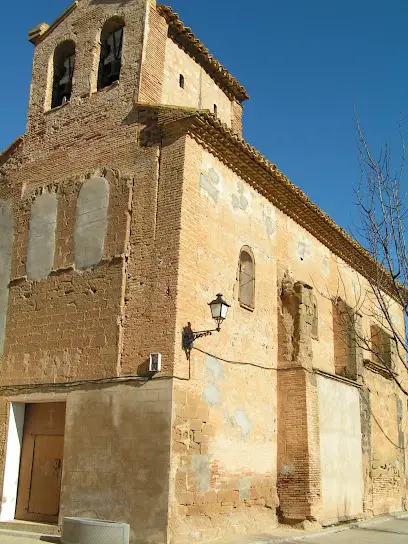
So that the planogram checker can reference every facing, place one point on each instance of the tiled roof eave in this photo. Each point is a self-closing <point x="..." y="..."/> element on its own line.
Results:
<point x="184" y="37"/>
<point x="266" y="178"/>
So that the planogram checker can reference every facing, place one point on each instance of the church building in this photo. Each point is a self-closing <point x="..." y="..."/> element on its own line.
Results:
<point x="129" y="205"/>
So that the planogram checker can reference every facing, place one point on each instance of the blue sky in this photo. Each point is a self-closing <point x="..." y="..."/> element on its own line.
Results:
<point x="305" y="64"/>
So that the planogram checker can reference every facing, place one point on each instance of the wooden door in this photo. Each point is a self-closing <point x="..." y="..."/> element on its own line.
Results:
<point x="41" y="463"/>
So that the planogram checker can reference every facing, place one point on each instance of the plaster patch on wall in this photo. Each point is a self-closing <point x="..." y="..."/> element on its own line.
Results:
<point x="214" y="367"/>
<point x="396" y="320"/>
<point x="91" y="223"/>
<point x="326" y="265"/>
<point x="270" y="226"/>
<point x="208" y="185"/>
<point x="228" y="419"/>
<point x="202" y="471"/>
<point x="41" y="237"/>
<point x="285" y="470"/>
<point x="241" y="419"/>
<point x="6" y="244"/>
<point x="304" y="249"/>
<point x="212" y="394"/>
<point x="244" y="488"/>
<point x="239" y="201"/>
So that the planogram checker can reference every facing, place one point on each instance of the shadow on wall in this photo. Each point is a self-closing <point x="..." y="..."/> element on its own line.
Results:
<point x="50" y="539"/>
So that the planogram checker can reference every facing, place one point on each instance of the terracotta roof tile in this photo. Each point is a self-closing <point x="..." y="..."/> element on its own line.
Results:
<point x="184" y="36"/>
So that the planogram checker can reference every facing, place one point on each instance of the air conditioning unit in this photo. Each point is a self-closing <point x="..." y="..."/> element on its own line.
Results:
<point x="93" y="531"/>
<point x="155" y="362"/>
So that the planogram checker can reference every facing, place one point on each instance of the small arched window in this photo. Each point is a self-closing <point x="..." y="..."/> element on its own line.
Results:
<point x="246" y="278"/>
<point x="64" y="63"/>
<point x="182" y="81"/>
<point x="110" y="62"/>
<point x="215" y="110"/>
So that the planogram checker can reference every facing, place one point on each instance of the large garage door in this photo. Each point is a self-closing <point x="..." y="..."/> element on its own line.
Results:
<point x="340" y="450"/>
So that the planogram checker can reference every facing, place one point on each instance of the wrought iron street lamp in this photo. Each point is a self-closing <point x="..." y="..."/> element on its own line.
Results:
<point x="219" y="310"/>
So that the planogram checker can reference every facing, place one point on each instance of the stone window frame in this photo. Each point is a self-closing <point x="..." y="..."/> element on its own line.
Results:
<point x="247" y="303"/>
<point x="110" y="26"/>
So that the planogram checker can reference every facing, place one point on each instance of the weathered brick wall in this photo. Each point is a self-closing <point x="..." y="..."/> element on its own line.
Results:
<point x="151" y="288"/>
<point x="200" y="90"/>
<point x="163" y="63"/>
<point x="154" y="51"/>
<point x="65" y="326"/>
<point x="387" y="445"/>
<point x="298" y="459"/>
<point x="224" y="429"/>
<point x="69" y="325"/>
<point x="236" y="117"/>
<point x="84" y="27"/>
<point x="220" y="215"/>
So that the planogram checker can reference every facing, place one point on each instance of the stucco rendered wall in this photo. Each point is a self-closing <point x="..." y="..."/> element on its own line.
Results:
<point x="117" y="455"/>
<point x="340" y="450"/>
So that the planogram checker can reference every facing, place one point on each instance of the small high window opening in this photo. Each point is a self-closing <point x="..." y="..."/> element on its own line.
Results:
<point x="215" y="109"/>
<point x="64" y="63"/>
<point x="246" y="278"/>
<point x="110" y="63"/>
<point x="182" y="81"/>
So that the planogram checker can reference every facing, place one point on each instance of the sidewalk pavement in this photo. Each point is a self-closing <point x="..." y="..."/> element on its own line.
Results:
<point x="346" y="533"/>
<point x="20" y="537"/>
<point x="285" y="534"/>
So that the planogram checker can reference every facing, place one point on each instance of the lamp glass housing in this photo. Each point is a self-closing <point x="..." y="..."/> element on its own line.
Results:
<point x="219" y="309"/>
